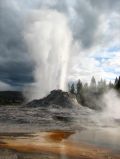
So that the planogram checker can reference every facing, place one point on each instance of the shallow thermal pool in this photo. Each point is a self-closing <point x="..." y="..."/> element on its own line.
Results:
<point x="54" y="133"/>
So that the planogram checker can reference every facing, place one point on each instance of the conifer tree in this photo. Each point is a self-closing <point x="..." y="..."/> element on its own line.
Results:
<point x="72" y="89"/>
<point x="117" y="83"/>
<point x="93" y="83"/>
<point x="79" y="86"/>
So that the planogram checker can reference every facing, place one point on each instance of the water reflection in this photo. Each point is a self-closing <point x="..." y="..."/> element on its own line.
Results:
<point x="50" y="145"/>
<point x="102" y="137"/>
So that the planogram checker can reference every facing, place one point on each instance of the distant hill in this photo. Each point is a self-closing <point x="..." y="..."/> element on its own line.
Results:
<point x="11" y="97"/>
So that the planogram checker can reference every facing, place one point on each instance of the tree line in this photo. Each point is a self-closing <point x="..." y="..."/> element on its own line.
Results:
<point x="98" y="87"/>
<point x="90" y="94"/>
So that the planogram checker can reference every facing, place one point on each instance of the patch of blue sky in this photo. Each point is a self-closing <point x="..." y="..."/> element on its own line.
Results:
<point x="113" y="49"/>
<point x="112" y="70"/>
<point x="109" y="69"/>
<point x="101" y="59"/>
<point x="102" y="56"/>
<point x="106" y="53"/>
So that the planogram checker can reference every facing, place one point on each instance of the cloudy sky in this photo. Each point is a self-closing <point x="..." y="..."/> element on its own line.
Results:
<point x="95" y="32"/>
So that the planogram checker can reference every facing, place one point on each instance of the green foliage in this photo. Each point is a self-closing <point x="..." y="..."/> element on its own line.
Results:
<point x="102" y="86"/>
<point x="93" y="83"/>
<point x="117" y="83"/>
<point x="91" y="94"/>
<point x="72" y="89"/>
<point x="79" y="87"/>
<point x="11" y="98"/>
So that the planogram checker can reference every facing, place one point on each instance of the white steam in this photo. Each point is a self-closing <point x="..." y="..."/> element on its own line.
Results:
<point x="110" y="114"/>
<point x="112" y="102"/>
<point x="48" y="38"/>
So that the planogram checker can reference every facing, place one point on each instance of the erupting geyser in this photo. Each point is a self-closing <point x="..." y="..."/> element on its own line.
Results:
<point x="48" y="38"/>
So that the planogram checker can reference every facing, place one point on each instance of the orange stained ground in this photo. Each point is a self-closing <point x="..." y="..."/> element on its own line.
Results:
<point x="56" y="142"/>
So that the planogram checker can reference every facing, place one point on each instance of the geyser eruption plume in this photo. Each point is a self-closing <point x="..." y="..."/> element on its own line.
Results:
<point x="48" y="38"/>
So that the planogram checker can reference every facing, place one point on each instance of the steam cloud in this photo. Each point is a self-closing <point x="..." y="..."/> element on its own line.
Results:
<point x="109" y="116"/>
<point x="112" y="101"/>
<point x="48" y="38"/>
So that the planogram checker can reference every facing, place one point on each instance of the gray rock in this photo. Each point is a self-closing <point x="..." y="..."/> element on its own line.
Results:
<point x="56" y="97"/>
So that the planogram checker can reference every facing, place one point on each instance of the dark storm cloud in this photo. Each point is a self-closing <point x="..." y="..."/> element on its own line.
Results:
<point x="16" y="66"/>
<point x="17" y="72"/>
<point x="86" y="23"/>
<point x="86" y="20"/>
<point x="106" y="5"/>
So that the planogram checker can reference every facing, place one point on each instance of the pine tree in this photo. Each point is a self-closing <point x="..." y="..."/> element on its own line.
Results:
<point x="86" y="87"/>
<point x="111" y="85"/>
<point x="93" y="83"/>
<point x="117" y="83"/>
<point x="102" y="86"/>
<point x="72" y="89"/>
<point x="79" y="86"/>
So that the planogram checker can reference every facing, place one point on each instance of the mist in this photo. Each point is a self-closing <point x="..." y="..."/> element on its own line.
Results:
<point x="49" y="42"/>
<point x="112" y="102"/>
<point x="109" y="115"/>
